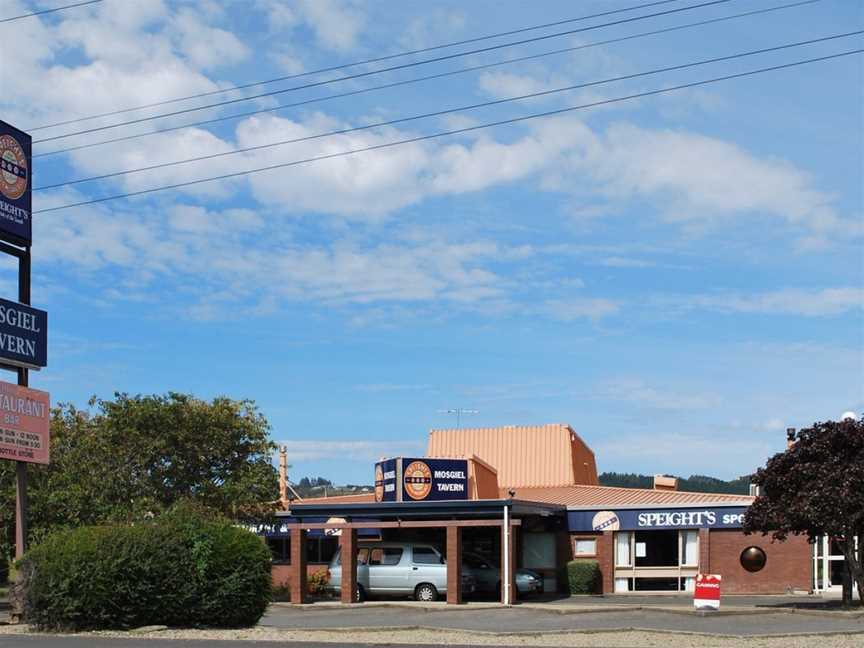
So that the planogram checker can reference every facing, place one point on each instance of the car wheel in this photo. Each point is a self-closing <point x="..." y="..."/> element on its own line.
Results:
<point x="425" y="592"/>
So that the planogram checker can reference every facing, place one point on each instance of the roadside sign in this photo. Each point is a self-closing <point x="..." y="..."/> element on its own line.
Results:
<point x="23" y="335"/>
<point x="707" y="592"/>
<point x="15" y="185"/>
<point x="25" y="421"/>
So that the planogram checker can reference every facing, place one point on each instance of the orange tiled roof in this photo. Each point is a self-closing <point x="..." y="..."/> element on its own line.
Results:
<point x="612" y="496"/>
<point x="362" y="498"/>
<point x="523" y="455"/>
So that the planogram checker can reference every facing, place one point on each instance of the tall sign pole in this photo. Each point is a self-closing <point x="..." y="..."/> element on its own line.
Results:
<point x="24" y="413"/>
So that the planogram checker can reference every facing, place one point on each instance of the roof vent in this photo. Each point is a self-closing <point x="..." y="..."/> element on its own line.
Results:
<point x="662" y="482"/>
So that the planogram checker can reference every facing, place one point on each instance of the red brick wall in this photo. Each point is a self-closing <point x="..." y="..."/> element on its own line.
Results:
<point x="789" y="564"/>
<point x="605" y="556"/>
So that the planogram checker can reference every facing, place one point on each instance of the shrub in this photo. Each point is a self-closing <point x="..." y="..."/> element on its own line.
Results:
<point x="316" y="582"/>
<point x="186" y="568"/>
<point x="583" y="576"/>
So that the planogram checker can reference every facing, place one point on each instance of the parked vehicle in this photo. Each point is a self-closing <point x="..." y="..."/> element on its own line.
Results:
<point x="488" y="576"/>
<point x="399" y="569"/>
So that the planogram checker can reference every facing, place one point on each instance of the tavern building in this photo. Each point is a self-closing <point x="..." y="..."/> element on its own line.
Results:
<point x="530" y="495"/>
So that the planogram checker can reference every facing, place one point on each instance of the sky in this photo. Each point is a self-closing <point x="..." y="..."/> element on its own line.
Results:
<point x="677" y="276"/>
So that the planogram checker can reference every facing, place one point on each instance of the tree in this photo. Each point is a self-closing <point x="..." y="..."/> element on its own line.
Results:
<point x="135" y="456"/>
<point x="816" y="488"/>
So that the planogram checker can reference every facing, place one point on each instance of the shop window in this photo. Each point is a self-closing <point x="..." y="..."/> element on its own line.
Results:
<point x="656" y="549"/>
<point x="280" y="549"/>
<point x="319" y="551"/>
<point x="623" y="584"/>
<point x="622" y="549"/>
<point x="585" y="547"/>
<point x="655" y="584"/>
<point x="538" y="550"/>
<point x="690" y="548"/>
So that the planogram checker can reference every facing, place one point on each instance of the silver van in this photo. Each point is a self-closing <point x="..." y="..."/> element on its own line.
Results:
<point x="398" y="569"/>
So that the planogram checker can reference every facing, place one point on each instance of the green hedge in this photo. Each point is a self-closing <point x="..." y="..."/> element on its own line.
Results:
<point x="186" y="568"/>
<point x="583" y="576"/>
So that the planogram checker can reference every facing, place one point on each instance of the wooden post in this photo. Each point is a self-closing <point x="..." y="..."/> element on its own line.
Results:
<point x="348" y="547"/>
<point x="454" y="565"/>
<point x="298" y="566"/>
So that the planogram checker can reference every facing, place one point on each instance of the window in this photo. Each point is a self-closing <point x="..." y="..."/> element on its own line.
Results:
<point x="427" y="556"/>
<point x="386" y="556"/>
<point x="538" y="550"/>
<point x="319" y="551"/>
<point x="690" y="552"/>
<point x="280" y="549"/>
<point x="622" y="549"/>
<point x="475" y="562"/>
<point x="585" y="547"/>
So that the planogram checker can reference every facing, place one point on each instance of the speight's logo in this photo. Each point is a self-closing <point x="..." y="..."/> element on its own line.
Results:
<point x="13" y="168"/>
<point x="605" y="521"/>
<point x="418" y="480"/>
<point x="379" y="483"/>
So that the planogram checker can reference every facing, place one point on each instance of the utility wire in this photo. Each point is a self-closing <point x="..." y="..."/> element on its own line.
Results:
<point x="47" y="11"/>
<point x="342" y="66"/>
<point x="382" y="70"/>
<point x="425" y="78"/>
<point x="456" y="131"/>
<point x="449" y="111"/>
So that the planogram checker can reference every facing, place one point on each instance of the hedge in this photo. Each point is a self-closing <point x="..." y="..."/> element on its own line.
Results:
<point x="186" y="568"/>
<point x="583" y="576"/>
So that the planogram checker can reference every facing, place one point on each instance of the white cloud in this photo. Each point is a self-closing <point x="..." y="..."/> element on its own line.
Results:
<point x="336" y="23"/>
<point x="634" y="390"/>
<point x="789" y="301"/>
<point x="205" y="46"/>
<point x="568" y="310"/>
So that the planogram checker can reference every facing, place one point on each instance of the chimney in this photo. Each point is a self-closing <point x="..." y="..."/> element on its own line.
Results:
<point x="283" y="477"/>
<point x="790" y="437"/>
<point x="664" y="483"/>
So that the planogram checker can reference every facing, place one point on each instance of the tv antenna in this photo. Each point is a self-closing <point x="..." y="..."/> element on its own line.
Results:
<point x="459" y="411"/>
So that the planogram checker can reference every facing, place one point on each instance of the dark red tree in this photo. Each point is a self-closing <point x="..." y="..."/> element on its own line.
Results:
<point x="816" y="488"/>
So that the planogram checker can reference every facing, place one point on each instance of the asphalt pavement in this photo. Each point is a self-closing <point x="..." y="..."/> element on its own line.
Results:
<point x="503" y="620"/>
<point x="45" y="641"/>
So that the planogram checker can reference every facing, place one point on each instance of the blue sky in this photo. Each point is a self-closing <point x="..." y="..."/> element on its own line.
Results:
<point x="678" y="277"/>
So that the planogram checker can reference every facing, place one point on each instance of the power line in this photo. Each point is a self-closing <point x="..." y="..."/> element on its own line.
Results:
<point x="381" y="71"/>
<point x="449" y="111"/>
<point x="425" y="78"/>
<point x="456" y="131"/>
<point x="47" y="11"/>
<point x="342" y="66"/>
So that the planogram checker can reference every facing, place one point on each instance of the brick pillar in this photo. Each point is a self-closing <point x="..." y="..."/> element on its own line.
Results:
<point x="454" y="564"/>
<point x="606" y="559"/>
<point x="704" y="551"/>
<point x="348" y="546"/>
<point x="298" y="566"/>
<point x="512" y="564"/>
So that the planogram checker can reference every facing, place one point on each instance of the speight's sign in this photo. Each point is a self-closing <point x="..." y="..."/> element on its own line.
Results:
<point x="15" y="185"/>
<point x="23" y="335"/>
<point x="726" y="517"/>
<point x="415" y="480"/>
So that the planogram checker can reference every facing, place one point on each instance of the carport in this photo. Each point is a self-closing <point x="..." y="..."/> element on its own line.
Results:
<point x="451" y="516"/>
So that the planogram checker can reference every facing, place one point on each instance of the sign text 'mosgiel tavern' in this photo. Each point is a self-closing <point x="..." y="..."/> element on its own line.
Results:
<point x="23" y="335"/>
<point x="421" y="479"/>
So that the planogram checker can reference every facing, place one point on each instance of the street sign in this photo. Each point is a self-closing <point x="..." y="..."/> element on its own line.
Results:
<point x="15" y="185"/>
<point x="23" y="335"/>
<point x="25" y="421"/>
<point x="707" y="591"/>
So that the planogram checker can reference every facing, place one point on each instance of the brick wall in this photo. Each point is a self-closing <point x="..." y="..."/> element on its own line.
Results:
<point x="789" y="564"/>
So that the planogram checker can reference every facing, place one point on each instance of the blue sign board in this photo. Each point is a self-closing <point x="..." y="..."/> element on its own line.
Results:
<point x="280" y="528"/>
<point x="386" y="481"/>
<point x="434" y="479"/>
<point x="725" y="517"/>
<point x="15" y="184"/>
<point x="23" y="335"/>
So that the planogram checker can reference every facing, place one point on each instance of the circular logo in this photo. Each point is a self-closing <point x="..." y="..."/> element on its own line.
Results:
<point x="605" y="521"/>
<point x="379" y="484"/>
<point x="13" y="168"/>
<point x="418" y="480"/>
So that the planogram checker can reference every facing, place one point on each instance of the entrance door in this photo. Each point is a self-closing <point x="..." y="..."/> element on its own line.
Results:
<point x="829" y="564"/>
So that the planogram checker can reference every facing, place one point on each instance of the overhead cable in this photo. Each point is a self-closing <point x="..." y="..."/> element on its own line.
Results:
<point x="451" y="111"/>
<point x="342" y="66"/>
<point x="430" y="77"/>
<point x="47" y="11"/>
<point x="456" y="131"/>
<point x="379" y="71"/>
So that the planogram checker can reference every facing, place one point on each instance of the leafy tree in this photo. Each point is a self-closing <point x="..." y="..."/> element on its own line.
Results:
<point x="816" y="488"/>
<point x="135" y="456"/>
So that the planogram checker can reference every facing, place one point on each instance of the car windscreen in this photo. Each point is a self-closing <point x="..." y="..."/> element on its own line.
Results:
<point x="427" y="556"/>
